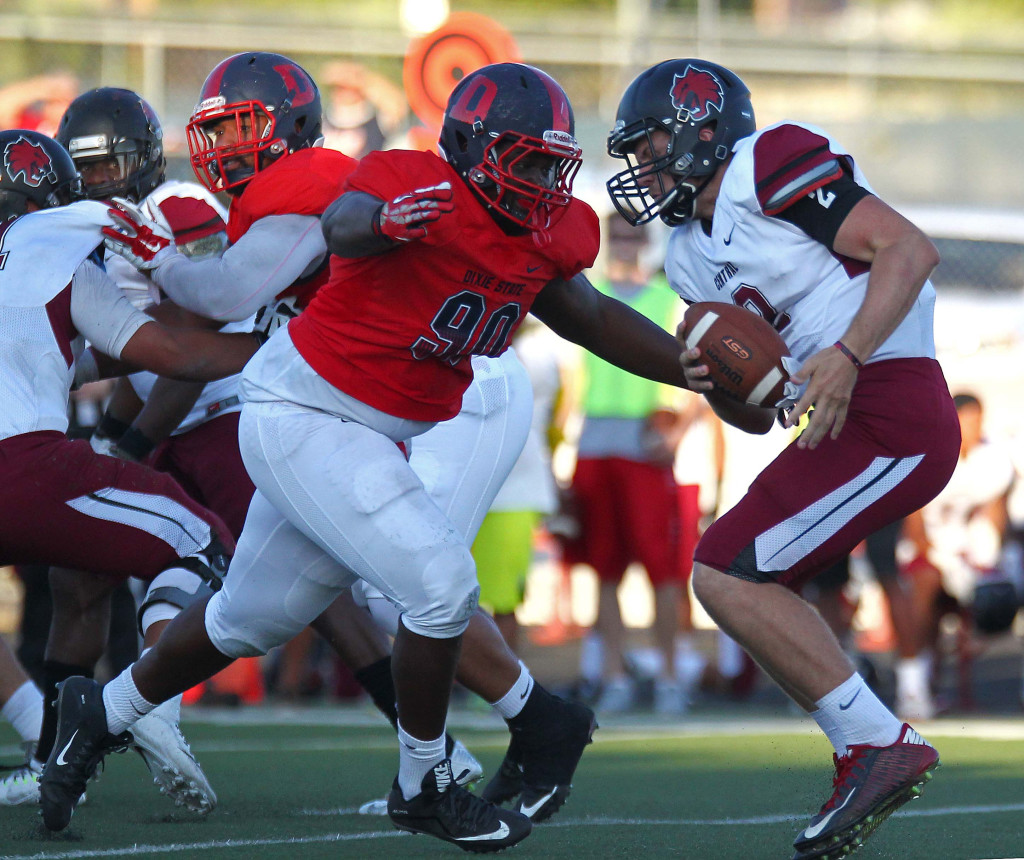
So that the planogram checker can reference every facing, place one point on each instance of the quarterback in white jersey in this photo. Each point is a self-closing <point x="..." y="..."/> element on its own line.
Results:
<point x="782" y="221"/>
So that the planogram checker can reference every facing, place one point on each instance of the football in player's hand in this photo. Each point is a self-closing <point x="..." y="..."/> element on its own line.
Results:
<point x="744" y="354"/>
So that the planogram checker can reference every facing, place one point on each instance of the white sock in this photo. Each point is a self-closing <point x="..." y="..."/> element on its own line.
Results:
<point x="24" y="711"/>
<point x="851" y="714"/>
<point x="124" y="703"/>
<point x="592" y="657"/>
<point x="912" y="676"/>
<point x="415" y="759"/>
<point x="514" y="700"/>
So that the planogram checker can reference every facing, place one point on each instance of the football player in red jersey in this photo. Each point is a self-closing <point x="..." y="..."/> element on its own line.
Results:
<point x="339" y="393"/>
<point x="782" y="221"/>
<point x="232" y="141"/>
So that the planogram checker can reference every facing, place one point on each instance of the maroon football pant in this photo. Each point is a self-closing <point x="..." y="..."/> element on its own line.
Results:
<point x="808" y="508"/>
<point x="65" y="505"/>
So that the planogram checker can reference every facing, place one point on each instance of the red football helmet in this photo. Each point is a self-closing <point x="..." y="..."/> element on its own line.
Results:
<point x="508" y="131"/>
<point x="263" y="105"/>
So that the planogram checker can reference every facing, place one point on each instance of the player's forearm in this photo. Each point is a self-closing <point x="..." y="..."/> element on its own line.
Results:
<point x="897" y="275"/>
<point x="348" y="226"/>
<point x="610" y="329"/>
<point x="750" y="419"/>
<point x="267" y="260"/>
<point x="168" y="405"/>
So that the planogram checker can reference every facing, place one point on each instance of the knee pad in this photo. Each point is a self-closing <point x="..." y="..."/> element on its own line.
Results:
<point x="192" y="579"/>
<point x="450" y="595"/>
<point x="172" y="590"/>
<point x="231" y="639"/>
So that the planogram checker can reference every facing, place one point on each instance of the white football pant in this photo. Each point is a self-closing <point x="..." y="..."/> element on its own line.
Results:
<point x="337" y="502"/>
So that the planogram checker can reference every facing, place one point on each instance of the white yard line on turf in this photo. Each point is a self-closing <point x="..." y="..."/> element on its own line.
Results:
<point x="177" y="847"/>
<point x="985" y="729"/>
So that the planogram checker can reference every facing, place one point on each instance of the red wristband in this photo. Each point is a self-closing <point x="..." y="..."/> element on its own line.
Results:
<point x="845" y="351"/>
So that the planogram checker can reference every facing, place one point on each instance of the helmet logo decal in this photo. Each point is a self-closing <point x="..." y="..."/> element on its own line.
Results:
<point x="475" y="101"/>
<point x="29" y="160"/>
<point x="299" y="87"/>
<point x="694" y="93"/>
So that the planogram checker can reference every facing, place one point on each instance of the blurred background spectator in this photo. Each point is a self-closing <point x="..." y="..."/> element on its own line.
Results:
<point x="625" y="491"/>
<point x="37" y="103"/>
<point x="362" y="110"/>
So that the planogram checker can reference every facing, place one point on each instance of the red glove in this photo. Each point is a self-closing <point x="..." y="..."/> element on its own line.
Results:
<point x="406" y="217"/>
<point x="140" y="240"/>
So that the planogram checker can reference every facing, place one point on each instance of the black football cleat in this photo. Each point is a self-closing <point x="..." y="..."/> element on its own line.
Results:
<point x="542" y="756"/>
<point x="82" y="741"/>
<point x="448" y="811"/>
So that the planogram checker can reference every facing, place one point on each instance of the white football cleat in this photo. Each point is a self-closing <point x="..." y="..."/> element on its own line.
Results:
<point x="466" y="769"/>
<point x="20" y="785"/>
<point x="157" y="738"/>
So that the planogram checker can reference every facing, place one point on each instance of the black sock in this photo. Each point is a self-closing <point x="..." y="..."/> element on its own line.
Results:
<point x="377" y="681"/>
<point x="537" y="708"/>
<point x="53" y="673"/>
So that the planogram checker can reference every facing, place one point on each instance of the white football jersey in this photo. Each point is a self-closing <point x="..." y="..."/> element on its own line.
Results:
<point x="51" y="297"/>
<point x="774" y="268"/>
<point x="221" y="396"/>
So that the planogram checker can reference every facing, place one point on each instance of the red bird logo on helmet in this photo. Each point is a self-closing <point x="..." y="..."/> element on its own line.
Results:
<point x="695" y="92"/>
<point x="29" y="160"/>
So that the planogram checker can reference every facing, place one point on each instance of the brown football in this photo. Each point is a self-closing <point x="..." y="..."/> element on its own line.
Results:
<point x="741" y="349"/>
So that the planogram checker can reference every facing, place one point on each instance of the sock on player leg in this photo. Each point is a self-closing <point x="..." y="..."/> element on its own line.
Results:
<point x="512" y="703"/>
<point x="416" y="758"/>
<point x="24" y="711"/>
<point x="852" y="714"/>
<point x="377" y="681"/>
<point x="124" y="703"/>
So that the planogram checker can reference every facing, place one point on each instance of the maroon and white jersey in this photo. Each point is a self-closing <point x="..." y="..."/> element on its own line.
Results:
<point x="771" y="266"/>
<point x="52" y="295"/>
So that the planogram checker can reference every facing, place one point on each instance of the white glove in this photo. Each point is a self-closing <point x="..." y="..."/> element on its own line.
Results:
<point x="143" y="242"/>
<point x="407" y="216"/>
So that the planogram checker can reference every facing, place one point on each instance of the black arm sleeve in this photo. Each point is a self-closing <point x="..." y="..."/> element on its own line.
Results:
<point x="821" y="213"/>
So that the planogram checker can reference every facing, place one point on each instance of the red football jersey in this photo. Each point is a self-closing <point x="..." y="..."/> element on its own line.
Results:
<point x="396" y="330"/>
<point x="304" y="183"/>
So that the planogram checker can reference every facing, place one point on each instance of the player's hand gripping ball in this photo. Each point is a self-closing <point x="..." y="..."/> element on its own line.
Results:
<point x="747" y="359"/>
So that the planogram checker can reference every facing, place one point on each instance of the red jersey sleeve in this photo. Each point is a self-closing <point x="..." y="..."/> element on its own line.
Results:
<point x="791" y="162"/>
<point x="575" y="240"/>
<point x="303" y="183"/>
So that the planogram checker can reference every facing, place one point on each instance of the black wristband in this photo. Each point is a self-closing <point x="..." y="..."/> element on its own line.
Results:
<point x="134" y="444"/>
<point x="375" y="221"/>
<point x="110" y="427"/>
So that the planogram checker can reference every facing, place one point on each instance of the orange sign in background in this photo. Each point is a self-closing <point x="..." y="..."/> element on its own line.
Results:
<point x="437" y="61"/>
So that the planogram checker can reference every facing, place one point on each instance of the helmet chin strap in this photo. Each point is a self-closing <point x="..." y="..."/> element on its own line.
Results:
<point x="682" y="218"/>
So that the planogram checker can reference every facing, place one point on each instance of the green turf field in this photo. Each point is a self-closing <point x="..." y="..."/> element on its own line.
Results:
<point x="732" y="791"/>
